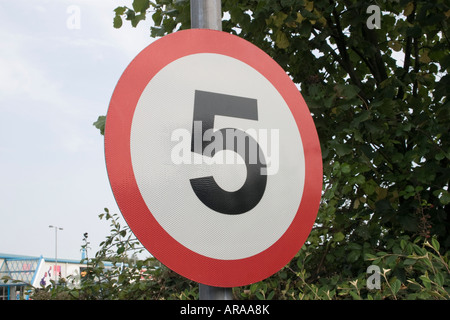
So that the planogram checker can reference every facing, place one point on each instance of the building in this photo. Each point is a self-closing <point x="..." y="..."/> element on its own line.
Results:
<point x="35" y="271"/>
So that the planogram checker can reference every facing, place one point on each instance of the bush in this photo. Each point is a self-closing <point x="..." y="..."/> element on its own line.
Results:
<point x="408" y="269"/>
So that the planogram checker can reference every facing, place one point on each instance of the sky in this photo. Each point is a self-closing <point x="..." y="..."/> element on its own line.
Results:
<point x="59" y="64"/>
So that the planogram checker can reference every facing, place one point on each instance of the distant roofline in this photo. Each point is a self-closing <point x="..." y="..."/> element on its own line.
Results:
<point x="16" y="256"/>
<point x="23" y="257"/>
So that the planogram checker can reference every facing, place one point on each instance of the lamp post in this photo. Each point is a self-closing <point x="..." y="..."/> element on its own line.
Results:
<point x="56" y="249"/>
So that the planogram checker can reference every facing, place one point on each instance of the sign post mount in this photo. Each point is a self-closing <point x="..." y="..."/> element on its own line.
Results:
<point x="213" y="158"/>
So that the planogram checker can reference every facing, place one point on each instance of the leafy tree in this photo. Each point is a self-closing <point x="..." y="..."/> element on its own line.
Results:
<point x="379" y="98"/>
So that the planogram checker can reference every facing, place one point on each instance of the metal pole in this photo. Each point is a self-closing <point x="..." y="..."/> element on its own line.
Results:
<point x="56" y="251"/>
<point x="56" y="255"/>
<point x="214" y="293"/>
<point x="207" y="14"/>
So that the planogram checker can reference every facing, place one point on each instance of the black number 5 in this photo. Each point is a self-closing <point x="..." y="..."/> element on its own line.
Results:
<point x="206" y="106"/>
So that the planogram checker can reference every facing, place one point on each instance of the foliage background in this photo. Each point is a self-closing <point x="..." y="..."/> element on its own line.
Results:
<point x="383" y="124"/>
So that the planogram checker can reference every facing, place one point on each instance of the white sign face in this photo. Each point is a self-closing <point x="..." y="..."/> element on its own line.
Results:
<point x="213" y="158"/>
<point x="161" y="136"/>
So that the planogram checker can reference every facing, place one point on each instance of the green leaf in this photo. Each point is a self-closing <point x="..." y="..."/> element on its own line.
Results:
<point x="100" y="123"/>
<point x="138" y="18"/>
<point x="403" y="243"/>
<point x="342" y="149"/>
<point x="369" y="256"/>
<point x="350" y="91"/>
<point x="346" y="91"/>
<point x="157" y="17"/>
<point x="353" y="256"/>
<point x="439" y="279"/>
<point x="391" y="261"/>
<point x="439" y="156"/>
<point x="395" y="45"/>
<point x="117" y="23"/>
<point x="408" y="9"/>
<point x="299" y="264"/>
<point x="120" y="10"/>
<point x="395" y="286"/>
<point x="435" y="244"/>
<point x="339" y="236"/>
<point x="355" y="295"/>
<point x="361" y="117"/>
<point x="141" y="5"/>
<point x="426" y="281"/>
<point x="354" y="246"/>
<point x="278" y="18"/>
<point x="359" y="180"/>
<point x="445" y="198"/>
<point x="424" y="58"/>
<point x="157" y="31"/>
<point x="281" y="40"/>
<point x="409" y="262"/>
<point x="345" y="168"/>
<point x="309" y="5"/>
<point x="370" y="187"/>
<point x="420" y="251"/>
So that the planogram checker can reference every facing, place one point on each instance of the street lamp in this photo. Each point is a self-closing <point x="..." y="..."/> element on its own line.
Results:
<point x="56" y="249"/>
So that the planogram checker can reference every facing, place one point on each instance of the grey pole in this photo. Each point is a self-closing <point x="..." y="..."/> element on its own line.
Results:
<point x="214" y="293"/>
<point x="56" y="251"/>
<point x="207" y="14"/>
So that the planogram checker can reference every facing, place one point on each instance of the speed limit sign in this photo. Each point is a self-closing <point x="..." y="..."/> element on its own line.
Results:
<point x="213" y="158"/>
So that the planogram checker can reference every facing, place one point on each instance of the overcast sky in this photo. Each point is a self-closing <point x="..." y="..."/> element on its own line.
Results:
<point x="57" y="75"/>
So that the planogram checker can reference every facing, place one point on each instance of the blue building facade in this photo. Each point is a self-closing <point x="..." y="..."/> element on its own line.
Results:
<point x="19" y="273"/>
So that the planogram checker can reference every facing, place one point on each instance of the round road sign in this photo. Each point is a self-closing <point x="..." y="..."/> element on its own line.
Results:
<point x="213" y="157"/>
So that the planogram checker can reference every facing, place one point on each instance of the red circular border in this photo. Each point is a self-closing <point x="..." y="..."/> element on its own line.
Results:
<point x="199" y="268"/>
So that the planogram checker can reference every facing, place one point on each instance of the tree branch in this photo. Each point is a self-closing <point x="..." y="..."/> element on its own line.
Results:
<point x="408" y="48"/>
<point x="416" y="66"/>
<point x="342" y="47"/>
<point x="379" y="71"/>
